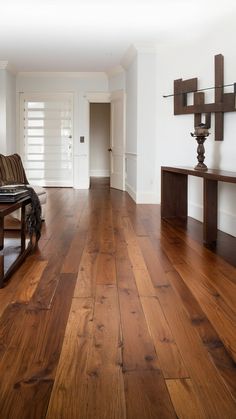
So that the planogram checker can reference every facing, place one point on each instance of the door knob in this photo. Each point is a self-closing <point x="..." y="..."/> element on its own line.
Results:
<point x="109" y="149"/>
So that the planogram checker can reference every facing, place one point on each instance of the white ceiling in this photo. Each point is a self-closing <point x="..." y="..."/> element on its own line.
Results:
<point x="93" y="35"/>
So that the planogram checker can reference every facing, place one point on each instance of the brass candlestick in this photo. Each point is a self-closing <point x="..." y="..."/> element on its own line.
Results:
<point x="200" y="133"/>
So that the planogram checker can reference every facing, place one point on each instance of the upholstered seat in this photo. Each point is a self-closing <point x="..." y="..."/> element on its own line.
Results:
<point x="12" y="172"/>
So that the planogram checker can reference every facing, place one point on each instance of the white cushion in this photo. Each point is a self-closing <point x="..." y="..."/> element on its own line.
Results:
<point x="39" y="191"/>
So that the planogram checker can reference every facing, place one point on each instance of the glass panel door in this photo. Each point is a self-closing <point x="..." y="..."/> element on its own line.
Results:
<point x="47" y="139"/>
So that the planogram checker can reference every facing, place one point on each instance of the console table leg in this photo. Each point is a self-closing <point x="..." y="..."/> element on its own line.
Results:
<point x="210" y="211"/>
<point x="174" y="195"/>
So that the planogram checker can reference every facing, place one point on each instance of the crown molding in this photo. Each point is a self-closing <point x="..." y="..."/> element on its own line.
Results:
<point x="73" y="74"/>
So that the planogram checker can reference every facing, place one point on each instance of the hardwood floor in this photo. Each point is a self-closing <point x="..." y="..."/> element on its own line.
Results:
<point x="118" y="315"/>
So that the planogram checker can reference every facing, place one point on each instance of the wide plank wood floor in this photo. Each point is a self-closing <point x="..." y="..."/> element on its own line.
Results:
<point x="118" y="315"/>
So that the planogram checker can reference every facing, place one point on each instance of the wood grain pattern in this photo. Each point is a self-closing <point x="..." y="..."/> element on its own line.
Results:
<point x="105" y="381"/>
<point x="153" y="263"/>
<point x="73" y="257"/>
<point x="30" y="281"/>
<point x="7" y="295"/>
<point x="107" y="241"/>
<point x="184" y="399"/>
<point x="147" y="396"/>
<point x="208" y="269"/>
<point x="209" y="385"/>
<point x="134" y="250"/>
<point x="171" y="362"/>
<point x="87" y="275"/>
<point x="10" y="322"/>
<point x="218" y="311"/>
<point x="29" y="363"/>
<point x="191" y="235"/>
<point x="69" y="395"/>
<point x="215" y="279"/>
<point x="135" y="335"/>
<point x="210" y="339"/>
<point x="144" y="283"/>
<point x="106" y="269"/>
<point x="118" y="314"/>
<point x="124" y="272"/>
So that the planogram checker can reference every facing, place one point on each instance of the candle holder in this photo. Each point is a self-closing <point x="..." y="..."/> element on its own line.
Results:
<point x="200" y="133"/>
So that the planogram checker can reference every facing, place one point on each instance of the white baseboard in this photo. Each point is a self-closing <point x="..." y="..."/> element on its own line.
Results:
<point x="142" y="197"/>
<point x="227" y="223"/>
<point x="54" y="184"/>
<point x="226" y="220"/>
<point x="147" y="198"/>
<point x="130" y="191"/>
<point x="99" y="173"/>
<point x="195" y="211"/>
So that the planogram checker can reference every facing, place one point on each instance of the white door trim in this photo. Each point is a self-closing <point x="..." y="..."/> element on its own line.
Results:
<point x="98" y="97"/>
<point x="117" y="176"/>
<point x="94" y="97"/>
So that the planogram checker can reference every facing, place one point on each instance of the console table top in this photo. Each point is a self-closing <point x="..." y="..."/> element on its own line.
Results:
<point x="214" y="174"/>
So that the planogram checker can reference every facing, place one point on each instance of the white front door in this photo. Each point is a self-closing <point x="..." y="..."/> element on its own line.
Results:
<point x="46" y="138"/>
<point x="117" y="147"/>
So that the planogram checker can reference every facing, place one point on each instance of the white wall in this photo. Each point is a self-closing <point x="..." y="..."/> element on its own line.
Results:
<point x="99" y="139"/>
<point x="10" y="113"/>
<point x="175" y="145"/>
<point x="3" y="146"/>
<point x="7" y="112"/>
<point x="79" y="84"/>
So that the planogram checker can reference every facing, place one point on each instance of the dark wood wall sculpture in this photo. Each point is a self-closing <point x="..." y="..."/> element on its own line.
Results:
<point x="224" y="102"/>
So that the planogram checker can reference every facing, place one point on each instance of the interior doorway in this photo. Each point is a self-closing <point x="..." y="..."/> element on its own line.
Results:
<point x="99" y="128"/>
<point x="114" y="151"/>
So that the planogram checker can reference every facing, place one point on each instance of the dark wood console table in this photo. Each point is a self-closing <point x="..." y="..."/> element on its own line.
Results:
<point x="174" y="195"/>
<point x="6" y="209"/>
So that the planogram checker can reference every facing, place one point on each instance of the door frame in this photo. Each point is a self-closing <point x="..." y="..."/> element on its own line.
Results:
<point x="115" y="96"/>
<point x="94" y="97"/>
<point x="99" y="97"/>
